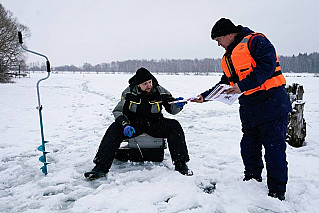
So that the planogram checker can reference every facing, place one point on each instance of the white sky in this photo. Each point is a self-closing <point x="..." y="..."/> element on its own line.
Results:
<point x="96" y="31"/>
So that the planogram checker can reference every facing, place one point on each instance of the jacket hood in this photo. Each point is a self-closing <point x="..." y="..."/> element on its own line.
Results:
<point x="243" y="32"/>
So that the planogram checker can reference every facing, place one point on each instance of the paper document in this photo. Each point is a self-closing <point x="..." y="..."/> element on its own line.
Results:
<point x="218" y="94"/>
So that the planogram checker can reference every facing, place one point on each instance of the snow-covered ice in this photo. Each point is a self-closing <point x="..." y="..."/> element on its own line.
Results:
<point x="77" y="110"/>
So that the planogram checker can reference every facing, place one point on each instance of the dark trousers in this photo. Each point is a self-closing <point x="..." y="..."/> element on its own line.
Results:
<point x="271" y="135"/>
<point x="164" y="128"/>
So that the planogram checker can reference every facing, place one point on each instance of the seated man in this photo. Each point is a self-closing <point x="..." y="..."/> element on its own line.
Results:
<point x="139" y="111"/>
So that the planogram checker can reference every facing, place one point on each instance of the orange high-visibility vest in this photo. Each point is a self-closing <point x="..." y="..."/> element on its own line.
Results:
<point x="239" y="64"/>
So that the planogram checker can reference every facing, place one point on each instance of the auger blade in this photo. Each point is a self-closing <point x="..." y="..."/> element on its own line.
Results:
<point x="41" y="148"/>
<point x="42" y="159"/>
<point x="44" y="169"/>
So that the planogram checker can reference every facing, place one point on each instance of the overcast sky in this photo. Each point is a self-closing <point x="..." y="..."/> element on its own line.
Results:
<point x="97" y="31"/>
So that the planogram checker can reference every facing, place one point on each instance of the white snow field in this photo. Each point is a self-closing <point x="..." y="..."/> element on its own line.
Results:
<point x="77" y="110"/>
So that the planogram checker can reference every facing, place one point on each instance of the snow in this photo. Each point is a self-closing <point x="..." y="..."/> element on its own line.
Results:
<point x="77" y="109"/>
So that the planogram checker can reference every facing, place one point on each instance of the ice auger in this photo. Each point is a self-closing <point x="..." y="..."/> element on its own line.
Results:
<point x="41" y="148"/>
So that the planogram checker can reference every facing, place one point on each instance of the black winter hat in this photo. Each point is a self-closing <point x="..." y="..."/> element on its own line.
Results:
<point x="142" y="75"/>
<point x="224" y="27"/>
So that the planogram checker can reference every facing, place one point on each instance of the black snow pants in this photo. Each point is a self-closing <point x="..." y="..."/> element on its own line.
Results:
<point x="163" y="128"/>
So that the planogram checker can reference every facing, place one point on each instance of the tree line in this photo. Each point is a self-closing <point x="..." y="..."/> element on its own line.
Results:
<point x="301" y="63"/>
<point x="293" y="64"/>
<point x="129" y="66"/>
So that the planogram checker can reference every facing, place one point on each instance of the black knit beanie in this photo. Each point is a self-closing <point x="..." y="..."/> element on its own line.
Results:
<point x="142" y="75"/>
<point x="224" y="27"/>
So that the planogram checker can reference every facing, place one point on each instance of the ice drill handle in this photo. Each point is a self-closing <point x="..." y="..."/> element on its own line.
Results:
<point x="48" y="66"/>
<point x="20" y="37"/>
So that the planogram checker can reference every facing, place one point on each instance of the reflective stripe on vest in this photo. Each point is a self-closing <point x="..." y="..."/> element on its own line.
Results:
<point x="239" y="64"/>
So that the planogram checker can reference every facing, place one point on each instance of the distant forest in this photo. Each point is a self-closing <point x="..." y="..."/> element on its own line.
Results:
<point x="293" y="64"/>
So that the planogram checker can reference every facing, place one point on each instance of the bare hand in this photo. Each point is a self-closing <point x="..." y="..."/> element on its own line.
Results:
<point x="199" y="100"/>
<point x="234" y="89"/>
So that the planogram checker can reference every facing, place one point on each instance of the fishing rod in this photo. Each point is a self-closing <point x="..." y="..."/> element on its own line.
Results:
<point x="41" y="148"/>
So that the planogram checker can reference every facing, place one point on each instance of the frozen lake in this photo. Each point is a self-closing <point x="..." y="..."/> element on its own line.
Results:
<point x="77" y="110"/>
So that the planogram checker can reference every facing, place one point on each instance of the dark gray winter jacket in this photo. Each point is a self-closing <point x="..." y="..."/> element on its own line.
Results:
<point x="137" y="106"/>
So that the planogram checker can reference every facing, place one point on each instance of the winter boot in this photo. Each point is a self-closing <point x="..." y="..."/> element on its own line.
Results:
<point x="97" y="172"/>
<point x="183" y="169"/>
<point x="279" y="195"/>
<point x="247" y="178"/>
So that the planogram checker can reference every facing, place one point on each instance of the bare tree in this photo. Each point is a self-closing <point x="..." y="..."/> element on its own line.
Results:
<point x="10" y="53"/>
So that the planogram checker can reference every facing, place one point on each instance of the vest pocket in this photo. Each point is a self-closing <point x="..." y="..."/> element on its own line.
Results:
<point x="155" y="108"/>
<point x="133" y="106"/>
<point x="244" y="70"/>
<point x="244" y="67"/>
